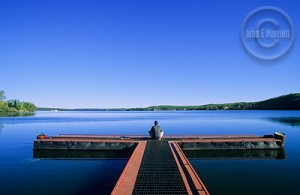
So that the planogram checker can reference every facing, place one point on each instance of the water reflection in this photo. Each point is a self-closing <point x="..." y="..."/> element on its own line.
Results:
<point x="1" y="127"/>
<point x="236" y="154"/>
<point x="291" y="121"/>
<point x="65" y="154"/>
<point x="15" y="114"/>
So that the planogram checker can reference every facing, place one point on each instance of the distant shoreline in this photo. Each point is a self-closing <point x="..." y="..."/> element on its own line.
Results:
<point x="285" y="102"/>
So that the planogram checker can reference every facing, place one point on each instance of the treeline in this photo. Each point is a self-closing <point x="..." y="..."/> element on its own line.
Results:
<point x="285" y="102"/>
<point x="79" y="109"/>
<point x="11" y="107"/>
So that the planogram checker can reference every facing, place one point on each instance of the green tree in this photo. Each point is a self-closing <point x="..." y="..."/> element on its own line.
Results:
<point x="2" y="95"/>
<point x="14" y="104"/>
<point x="14" y="107"/>
<point x="3" y="105"/>
<point x="28" y="106"/>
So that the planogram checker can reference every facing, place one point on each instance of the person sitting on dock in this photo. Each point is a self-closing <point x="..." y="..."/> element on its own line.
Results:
<point x="156" y="132"/>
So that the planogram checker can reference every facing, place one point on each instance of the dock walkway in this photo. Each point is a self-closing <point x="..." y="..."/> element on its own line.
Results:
<point x="158" y="172"/>
<point x="159" y="167"/>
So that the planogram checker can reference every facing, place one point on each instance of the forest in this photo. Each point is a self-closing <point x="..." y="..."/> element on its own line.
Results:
<point x="14" y="107"/>
<point x="284" y="102"/>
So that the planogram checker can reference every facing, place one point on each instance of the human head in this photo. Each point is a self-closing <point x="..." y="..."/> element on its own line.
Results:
<point x="155" y="123"/>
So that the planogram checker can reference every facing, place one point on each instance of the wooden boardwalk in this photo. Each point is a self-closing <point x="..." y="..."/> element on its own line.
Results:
<point x="159" y="167"/>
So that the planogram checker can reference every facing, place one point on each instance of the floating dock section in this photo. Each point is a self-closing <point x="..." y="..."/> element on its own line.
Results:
<point x="159" y="167"/>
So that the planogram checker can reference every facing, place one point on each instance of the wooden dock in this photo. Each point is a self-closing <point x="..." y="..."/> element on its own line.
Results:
<point x="157" y="167"/>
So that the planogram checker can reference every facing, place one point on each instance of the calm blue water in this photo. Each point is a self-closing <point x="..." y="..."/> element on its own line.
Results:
<point x="20" y="173"/>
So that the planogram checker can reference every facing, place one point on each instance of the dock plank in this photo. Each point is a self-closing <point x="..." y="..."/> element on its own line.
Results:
<point x="125" y="184"/>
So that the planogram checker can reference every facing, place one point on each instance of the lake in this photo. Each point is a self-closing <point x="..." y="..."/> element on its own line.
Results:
<point x="23" y="174"/>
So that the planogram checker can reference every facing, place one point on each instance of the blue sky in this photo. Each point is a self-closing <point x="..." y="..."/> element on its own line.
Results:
<point x="110" y="54"/>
